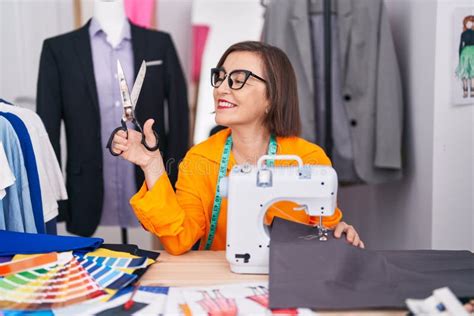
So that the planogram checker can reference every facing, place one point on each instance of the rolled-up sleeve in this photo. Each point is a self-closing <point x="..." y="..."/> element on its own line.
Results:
<point x="178" y="219"/>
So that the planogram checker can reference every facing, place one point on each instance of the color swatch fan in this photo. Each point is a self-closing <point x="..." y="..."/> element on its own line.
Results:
<point x="58" y="284"/>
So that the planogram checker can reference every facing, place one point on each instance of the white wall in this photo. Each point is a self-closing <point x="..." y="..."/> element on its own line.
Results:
<point x="174" y="17"/>
<point x="23" y="27"/>
<point x="432" y="206"/>
<point x="453" y="150"/>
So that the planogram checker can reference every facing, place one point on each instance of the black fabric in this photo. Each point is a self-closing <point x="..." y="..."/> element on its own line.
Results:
<point x="139" y="273"/>
<point x="132" y="249"/>
<point x="51" y="226"/>
<point x="120" y="310"/>
<point x="67" y="91"/>
<point x="336" y="275"/>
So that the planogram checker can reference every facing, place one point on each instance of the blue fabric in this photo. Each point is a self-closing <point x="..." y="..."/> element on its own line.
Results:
<point x="13" y="243"/>
<point x="28" y="313"/>
<point x="16" y="212"/>
<point x="31" y="168"/>
<point x="5" y="259"/>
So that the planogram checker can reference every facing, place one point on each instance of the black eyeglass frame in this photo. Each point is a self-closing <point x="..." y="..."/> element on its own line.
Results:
<point x="248" y="73"/>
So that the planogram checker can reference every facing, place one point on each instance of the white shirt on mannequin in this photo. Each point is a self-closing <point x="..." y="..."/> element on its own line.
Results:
<point x="111" y="16"/>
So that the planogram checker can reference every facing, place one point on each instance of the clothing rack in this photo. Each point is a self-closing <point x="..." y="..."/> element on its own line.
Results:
<point x="332" y="113"/>
<point x="328" y="75"/>
<point x="38" y="183"/>
<point x="327" y="71"/>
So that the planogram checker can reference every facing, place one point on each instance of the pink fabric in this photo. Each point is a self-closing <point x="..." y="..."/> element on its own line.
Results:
<point x="200" y="33"/>
<point x="140" y="12"/>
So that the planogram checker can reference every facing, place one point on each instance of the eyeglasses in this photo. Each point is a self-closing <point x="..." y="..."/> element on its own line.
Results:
<point x="236" y="78"/>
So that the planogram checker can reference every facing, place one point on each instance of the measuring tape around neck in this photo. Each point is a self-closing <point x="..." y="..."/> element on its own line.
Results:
<point x="272" y="149"/>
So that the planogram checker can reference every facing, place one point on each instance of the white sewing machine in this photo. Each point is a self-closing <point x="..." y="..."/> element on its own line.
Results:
<point x="251" y="190"/>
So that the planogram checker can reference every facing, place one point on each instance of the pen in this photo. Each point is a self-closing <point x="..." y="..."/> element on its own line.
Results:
<point x="129" y="304"/>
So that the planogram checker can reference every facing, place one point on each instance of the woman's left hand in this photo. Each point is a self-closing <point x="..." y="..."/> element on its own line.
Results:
<point x="351" y="235"/>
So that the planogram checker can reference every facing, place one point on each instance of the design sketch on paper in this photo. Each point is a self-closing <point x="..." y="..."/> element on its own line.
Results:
<point x="463" y="89"/>
<point x="228" y="300"/>
<point x="261" y="297"/>
<point x="217" y="304"/>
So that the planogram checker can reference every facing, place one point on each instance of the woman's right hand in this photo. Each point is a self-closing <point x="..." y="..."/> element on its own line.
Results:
<point x="133" y="150"/>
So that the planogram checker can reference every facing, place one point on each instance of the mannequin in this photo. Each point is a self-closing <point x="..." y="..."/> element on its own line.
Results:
<point x="77" y="86"/>
<point x="111" y="16"/>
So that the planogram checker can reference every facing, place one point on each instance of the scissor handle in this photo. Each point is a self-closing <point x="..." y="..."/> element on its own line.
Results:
<point x="153" y="148"/>
<point x="150" y="148"/>
<point x="124" y="128"/>
<point x="111" y="138"/>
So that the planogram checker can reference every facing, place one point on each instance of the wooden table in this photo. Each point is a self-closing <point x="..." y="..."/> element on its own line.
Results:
<point x="195" y="268"/>
<point x="199" y="268"/>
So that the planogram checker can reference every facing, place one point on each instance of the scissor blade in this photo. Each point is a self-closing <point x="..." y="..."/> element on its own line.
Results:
<point x="137" y="86"/>
<point x="124" y="92"/>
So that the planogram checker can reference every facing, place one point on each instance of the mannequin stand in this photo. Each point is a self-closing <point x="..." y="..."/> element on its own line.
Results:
<point x="124" y="234"/>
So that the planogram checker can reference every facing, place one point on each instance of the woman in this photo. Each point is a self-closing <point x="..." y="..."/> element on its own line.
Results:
<point x="255" y="96"/>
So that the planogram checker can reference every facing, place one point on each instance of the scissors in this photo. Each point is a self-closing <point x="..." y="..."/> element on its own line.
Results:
<point x="129" y="101"/>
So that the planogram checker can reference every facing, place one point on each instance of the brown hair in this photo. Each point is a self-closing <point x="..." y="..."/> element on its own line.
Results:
<point x="283" y="118"/>
<point x="467" y="19"/>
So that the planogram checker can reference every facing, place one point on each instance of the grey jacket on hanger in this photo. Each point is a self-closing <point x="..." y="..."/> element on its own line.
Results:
<point x="371" y="90"/>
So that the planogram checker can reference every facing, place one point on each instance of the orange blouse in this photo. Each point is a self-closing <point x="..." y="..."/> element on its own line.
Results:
<point x="181" y="219"/>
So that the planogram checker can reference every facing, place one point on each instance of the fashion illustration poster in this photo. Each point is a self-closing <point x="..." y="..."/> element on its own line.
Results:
<point x="463" y="52"/>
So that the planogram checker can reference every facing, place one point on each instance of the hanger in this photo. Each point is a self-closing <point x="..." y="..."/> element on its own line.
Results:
<point x="25" y="100"/>
<point x="5" y="101"/>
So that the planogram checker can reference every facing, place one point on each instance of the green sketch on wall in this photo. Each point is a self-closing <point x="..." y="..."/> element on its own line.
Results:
<point x="465" y="67"/>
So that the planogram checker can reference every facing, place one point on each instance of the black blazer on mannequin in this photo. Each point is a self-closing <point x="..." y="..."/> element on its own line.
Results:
<point x="67" y="91"/>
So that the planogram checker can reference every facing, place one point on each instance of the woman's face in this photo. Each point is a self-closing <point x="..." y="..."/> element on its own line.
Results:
<point x="247" y="105"/>
<point x="469" y="25"/>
